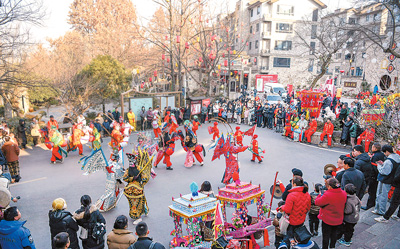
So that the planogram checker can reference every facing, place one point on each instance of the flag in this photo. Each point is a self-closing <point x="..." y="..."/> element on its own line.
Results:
<point x="218" y="220"/>
<point x="250" y="132"/>
<point x="218" y="148"/>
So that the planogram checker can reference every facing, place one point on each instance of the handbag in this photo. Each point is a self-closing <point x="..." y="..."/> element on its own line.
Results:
<point x="302" y="235"/>
<point x="283" y="223"/>
<point x="84" y="234"/>
<point x="220" y="243"/>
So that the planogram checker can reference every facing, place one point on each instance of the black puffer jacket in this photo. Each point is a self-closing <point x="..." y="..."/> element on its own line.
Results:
<point x="356" y="177"/>
<point x="89" y="223"/>
<point x="363" y="163"/>
<point x="62" y="221"/>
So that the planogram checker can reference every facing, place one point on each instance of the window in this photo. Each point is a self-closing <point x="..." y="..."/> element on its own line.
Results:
<point x="281" y="62"/>
<point x="367" y="18"/>
<point x="347" y="57"/>
<point x="237" y="40"/>
<point x="312" y="47"/>
<point x="315" y="15"/>
<point x="256" y="45"/>
<point x="311" y="65"/>
<point x="284" y="27"/>
<point x="375" y="17"/>
<point x="257" y="27"/>
<point x="233" y="86"/>
<point x="338" y="56"/>
<point x="258" y="10"/>
<point x="350" y="33"/>
<point x="283" y="45"/>
<point x="251" y="12"/>
<point x="251" y="29"/>
<point x="337" y="69"/>
<point x="352" y="21"/>
<point x="313" y="31"/>
<point x="249" y="45"/>
<point x="285" y="10"/>
<point x="359" y="71"/>
<point x="341" y="21"/>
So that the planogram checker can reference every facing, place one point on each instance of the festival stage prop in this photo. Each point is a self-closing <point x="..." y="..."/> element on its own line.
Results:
<point x="239" y="195"/>
<point x="192" y="210"/>
<point x="373" y="116"/>
<point x="311" y="102"/>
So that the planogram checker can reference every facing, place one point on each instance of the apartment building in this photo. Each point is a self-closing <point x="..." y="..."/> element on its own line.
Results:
<point x="361" y="63"/>
<point x="269" y="26"/>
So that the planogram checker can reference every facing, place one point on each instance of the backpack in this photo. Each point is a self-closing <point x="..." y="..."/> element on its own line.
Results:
<point x="99" y="230"/>
<point x="3" y="160"/>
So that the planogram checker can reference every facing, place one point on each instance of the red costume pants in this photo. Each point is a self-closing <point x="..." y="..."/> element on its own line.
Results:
<point x="157" y="132"/>
<point x="256" y="156"/>
<point x="215" y="135"/>
<point x="308" y="133"/>
<point x="239" y="141"/>
<point x="56" y="154"/>
<point x="288" y="130"/>
<point x="329" y="138"/>
<point x="366" y="143"/>
<point x="197" y="153"/>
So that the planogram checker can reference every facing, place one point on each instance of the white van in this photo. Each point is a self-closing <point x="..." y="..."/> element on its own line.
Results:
<point x="275" y="88"/>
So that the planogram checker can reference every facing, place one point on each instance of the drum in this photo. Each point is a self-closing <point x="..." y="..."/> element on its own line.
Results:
<point x="5" y="197"/>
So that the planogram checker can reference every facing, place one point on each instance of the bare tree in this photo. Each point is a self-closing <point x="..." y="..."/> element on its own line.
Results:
<point x="14" y="40"/>
<point x="320" y="39"/>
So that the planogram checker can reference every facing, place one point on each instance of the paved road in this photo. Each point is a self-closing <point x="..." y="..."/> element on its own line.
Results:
<point x="42" y="182"/>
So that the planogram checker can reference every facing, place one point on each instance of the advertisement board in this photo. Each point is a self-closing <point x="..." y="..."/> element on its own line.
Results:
<point x="195" y="107"/>
<point x="262" y="79"/>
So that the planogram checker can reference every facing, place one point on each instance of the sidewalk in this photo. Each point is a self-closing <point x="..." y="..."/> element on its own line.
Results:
<point x="368" y="234"/>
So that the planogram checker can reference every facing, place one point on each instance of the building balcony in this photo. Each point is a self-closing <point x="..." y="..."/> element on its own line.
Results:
<point x="265" y="52"/>
<point x="264" y="69"/>
<point x="266" y="35"/>
<point x="267" y="17"/>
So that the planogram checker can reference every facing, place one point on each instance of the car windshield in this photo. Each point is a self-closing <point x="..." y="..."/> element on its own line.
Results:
<point x="277" y="89"/>
<point x="273" y="98"/>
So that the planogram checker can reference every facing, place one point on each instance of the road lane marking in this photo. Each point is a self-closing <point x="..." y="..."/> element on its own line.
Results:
<point x="33" y="180"/>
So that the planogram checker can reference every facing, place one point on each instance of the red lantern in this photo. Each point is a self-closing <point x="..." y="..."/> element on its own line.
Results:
<point x="247" y="44"/>
<point x="168" y="60"/>
<point x="187" y="45"/>
<point x="225" y="63"/>
<point x="166" y="37"/>
<point x="150" y="79"/>
<point x="201" y="59"/>
<point x="223" y="55"/>
<point x="163" y="56"/>
<point x="178" y="39"/>
<point x="142" y="85"/>
<point x="155" y="73"/>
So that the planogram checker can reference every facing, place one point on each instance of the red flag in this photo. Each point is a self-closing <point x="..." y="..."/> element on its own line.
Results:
<point x="250" y="132"/>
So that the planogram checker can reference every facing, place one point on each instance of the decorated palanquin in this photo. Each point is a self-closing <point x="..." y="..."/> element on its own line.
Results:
<point x="311" y="102"/>
<point x="239" y="195"/>
<point x="192" y="210"/>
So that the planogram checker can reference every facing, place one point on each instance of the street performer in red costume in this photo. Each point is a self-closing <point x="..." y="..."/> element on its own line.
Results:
<point x="214" y="130"/>
<point x="310" y="131"/>
<point x="239" y="136"/>
<point x="75" y="139"/>
<point x="368" y="136"/>
<point x="256" y="150"/>
<point x="328" y="131"/>
<point x="196" y="125"/>
<point x="166" y="147"/>
<point x="116" y="137"/>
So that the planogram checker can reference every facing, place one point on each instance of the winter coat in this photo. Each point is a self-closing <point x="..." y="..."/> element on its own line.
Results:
<point x="297" y="205"/>
<point x="186" y="114"/>
<point x="352" y="209"/>
<point x="62" y="221"/>
<point x="314" y="209"/>
<point x="396" y="178"/>
<point x="120" y="239"/>
<point x="343" y="114"/>
<point x="363" y="163"/>
<point x="89" y="223"/>
<point x="11" y="151"/>
<point x="386" y="170"/>
<point x="144" y="243"/>
<point x="13" y="235"/>
<point x="289" y="187"/>
<point x="275" y="223"/>
<point x="356" y="177"/>
<point x="376" y="157"/>
<point x="332" y="204"/>
<point x="346" y="130"/>
<point x="353" y="130"/>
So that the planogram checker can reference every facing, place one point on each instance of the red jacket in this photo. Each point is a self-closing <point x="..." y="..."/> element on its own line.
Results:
<point x="332" y="204"/>
<point x="297" y="206"/>
<point x="255" y="146"/>
<point x="328" y="128"/>
<point x="313" y="125"/>
<point x="368" y="134"/>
